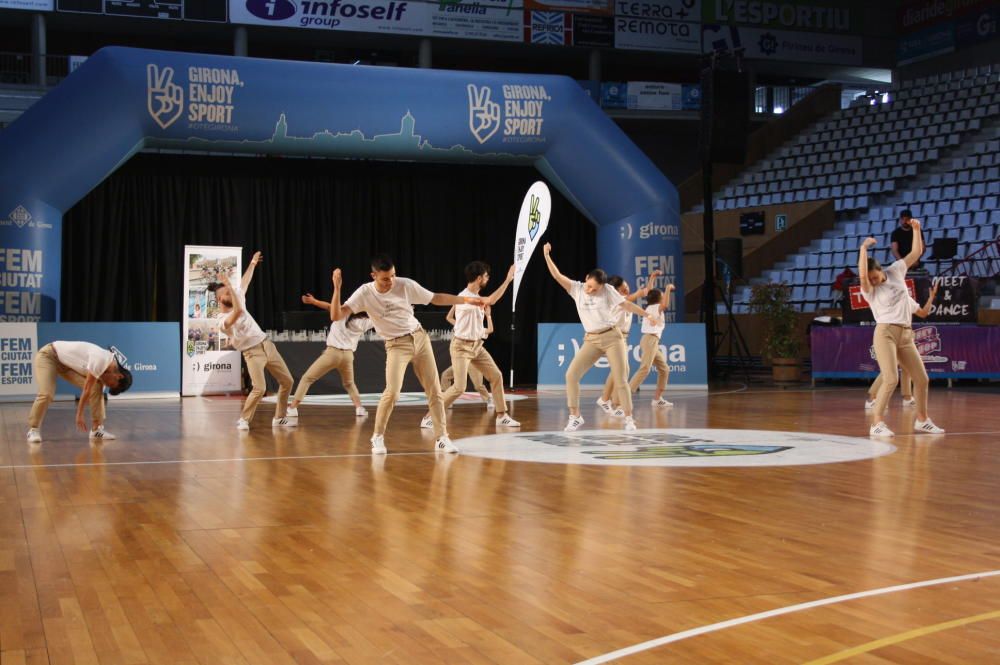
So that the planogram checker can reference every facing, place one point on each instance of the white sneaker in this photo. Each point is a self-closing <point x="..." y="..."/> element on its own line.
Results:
<point x="378" y="445"/>
<point x="618" y="413"/>
<point x="360" y="411"/>
<point x="490" y="406"/>
<point x="662" y="402"/>
<point x="427" y="422"/>
<point x="880" y="429"/>
<point x="605" y="405"/>
<point x="630" y="424"/>
<point x="909" y="401"/>
<point x="927" y="427"/>
<point x="444" y="445"/>
<point x="242" y="425"/>
<point x="100" y="433"/>
<point x="34" y="436"/>
<point x="869" y="404"/>
<point x="284" y="422"/>
<point x="506" y="421"/>
<point x="574" y="423"/>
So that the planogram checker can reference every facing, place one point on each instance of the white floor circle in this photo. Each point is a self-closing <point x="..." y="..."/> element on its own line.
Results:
<point x="675" y="447"/>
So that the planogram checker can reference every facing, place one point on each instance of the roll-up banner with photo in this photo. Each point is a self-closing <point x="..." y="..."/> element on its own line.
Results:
<point x="210" y="365"/>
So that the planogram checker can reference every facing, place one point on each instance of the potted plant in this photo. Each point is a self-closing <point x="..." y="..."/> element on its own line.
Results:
<point x="779" y="321"/>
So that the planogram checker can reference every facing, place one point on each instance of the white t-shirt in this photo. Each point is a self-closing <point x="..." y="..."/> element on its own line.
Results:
<point x="597" y="311"/>
<point x="890" y="301"/>
<point x="391" y="312"/>
<point x="625" y="319"/>
<point x="244" y="333"/>
<point x="650" y="328"/>
<point x="346" y="333"/>
<point x="470" y="321"/>
<point x="84" y="357"/>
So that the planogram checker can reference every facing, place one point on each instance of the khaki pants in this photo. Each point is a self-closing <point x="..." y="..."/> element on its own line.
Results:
<point x="610" y="389"/>
<point x="611" y="344"/>
<point x="906" y="385"/>
<point x="331" y="359"/>
<point x="261" y="357"/>
<point x="399" y="353"/>
<point x="466" y="354"/>
<point x="448" y="380"/>
<point x="47" y="368"/>
<point x="894" y="348"/>
<point x="652" y="355"/>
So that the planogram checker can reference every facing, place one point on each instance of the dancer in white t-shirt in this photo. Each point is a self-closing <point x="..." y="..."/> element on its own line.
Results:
<point x="886" y="294"/>
<point x="389" y="301"/>
<point x="475" y="376"/>
<point x="341" y="343"/>
<point x="467" y="349"/>
<point x="258" y="351"/>
<point x="907" y="384"/>
<point x="657" y="302"/>
<point x="596" y="303"/>
<point x="88" y="367"/>
<point x="625" y="320"/>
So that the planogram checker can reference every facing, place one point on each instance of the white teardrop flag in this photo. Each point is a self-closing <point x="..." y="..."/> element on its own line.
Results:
<point x="531" y="226"/>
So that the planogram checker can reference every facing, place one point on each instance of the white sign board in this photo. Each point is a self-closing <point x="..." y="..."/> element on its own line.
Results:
<point x="209" y="367"/>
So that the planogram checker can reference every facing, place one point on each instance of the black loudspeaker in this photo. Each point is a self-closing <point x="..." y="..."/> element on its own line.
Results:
<point x="725" y="115"/>
<point x="729" y="252"/>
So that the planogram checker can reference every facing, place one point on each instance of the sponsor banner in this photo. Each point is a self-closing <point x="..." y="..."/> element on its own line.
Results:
<point x="783" y="44"/>
<point x="809" y="15"/>
<point x="691" y="97"/>
<point x="917" y="15"/>
<point x="654" y="25"/>
<point x="614" y="95"/>
<point x="683" y="344"/>
<point x="532" y="222"/>
<point x="386" y="16"/>
<point x="948" y="351"/>
<point x="209" y="366"/>
<point x="955" y="302"/>
<point x="647" y="96"/>
<point x="555" y="28"/>
<point x="675" y="447"/>
<point x="491" y="20"/>
<point x="596" y="31"/>
<point x="977" y="28"/>
<point x="30" y="5"/>
<point x="18" y="345"/>
<point x="30" y="262"/>
<point x="148" y="350"/>
<point x="927" y="43"/>
<point x="593" y="7"/>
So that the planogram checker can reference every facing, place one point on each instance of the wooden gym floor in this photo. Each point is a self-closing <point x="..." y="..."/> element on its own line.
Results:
<point x="185" y="541"/>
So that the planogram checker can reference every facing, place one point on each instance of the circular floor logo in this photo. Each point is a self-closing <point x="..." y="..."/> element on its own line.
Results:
<point x="675" y="447"/>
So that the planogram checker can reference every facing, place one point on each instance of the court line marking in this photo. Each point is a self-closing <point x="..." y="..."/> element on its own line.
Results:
<point x="206" y="461"/>
<point x="759" y="616"/>
<point x="903" y="637"/>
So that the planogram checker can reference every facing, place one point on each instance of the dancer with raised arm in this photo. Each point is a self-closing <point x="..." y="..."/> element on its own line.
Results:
<point x="475" y="376"/>
<point x="389" y="301"/>
<point x="657" y="302"/>
<point x="625" y="320"/>
<point x="467" y="348"/>
<point x="596" y="301"/>
<point x="885" y="291"/>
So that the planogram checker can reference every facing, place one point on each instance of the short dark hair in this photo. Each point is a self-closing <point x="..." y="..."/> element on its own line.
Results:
<point x="653" y="297"/>
<point x="357" y="315"/>
<point x="873" y="264"/>
<point x="382" y="262"/>
<point x="124" y="383"/>
<point x="905" y="212"/>
<point x="598" y="276"/>
<point x="215" y="286"/>
<point x="475" y="269"/>
<point x="616" y="281"/>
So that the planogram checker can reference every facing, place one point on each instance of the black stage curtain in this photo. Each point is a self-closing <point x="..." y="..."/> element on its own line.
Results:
<point x="123" y="244"/>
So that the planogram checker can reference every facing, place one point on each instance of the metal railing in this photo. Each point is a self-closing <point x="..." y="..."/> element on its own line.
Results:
<point x="27" y="69"/>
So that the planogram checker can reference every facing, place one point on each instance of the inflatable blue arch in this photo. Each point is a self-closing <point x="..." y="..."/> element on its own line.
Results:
<point x="123" y="100"/>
